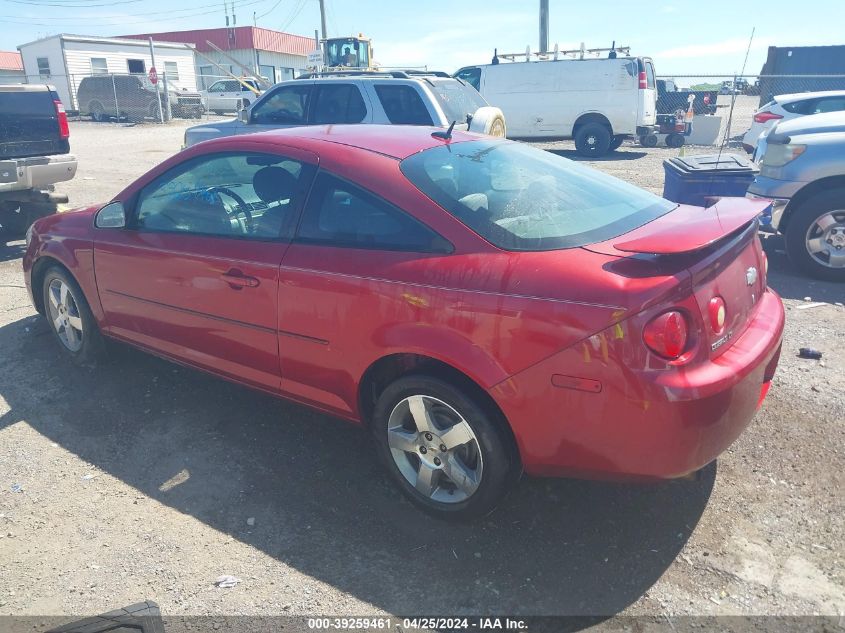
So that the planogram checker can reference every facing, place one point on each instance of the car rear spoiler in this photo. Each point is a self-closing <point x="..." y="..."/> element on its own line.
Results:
<point x="689" y="228"/>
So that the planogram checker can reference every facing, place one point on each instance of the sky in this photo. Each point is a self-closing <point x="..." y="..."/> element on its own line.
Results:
<point x="683" y="38"/>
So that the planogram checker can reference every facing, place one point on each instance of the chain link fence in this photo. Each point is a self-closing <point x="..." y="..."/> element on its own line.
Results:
<point x="738" y="97"/>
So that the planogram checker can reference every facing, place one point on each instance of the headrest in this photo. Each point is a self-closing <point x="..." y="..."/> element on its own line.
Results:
<point x="274" y="183"/>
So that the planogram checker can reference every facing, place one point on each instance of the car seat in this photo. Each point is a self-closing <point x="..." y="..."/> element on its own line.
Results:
<point x="275" y="186"/>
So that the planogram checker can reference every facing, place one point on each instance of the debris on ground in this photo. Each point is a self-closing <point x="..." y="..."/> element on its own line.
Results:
<point x="227" y="582"/>
<point x="809" y="352"/>
<point x="807" y="306"/>
<point x="250" y="521"/>
<point x="17" y="488"/>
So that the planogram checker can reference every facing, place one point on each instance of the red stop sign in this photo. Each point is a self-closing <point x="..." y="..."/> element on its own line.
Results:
<point x="153" y="75"/>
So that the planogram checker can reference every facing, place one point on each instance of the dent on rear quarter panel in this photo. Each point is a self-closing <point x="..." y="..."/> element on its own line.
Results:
<point x="69" y="239"/>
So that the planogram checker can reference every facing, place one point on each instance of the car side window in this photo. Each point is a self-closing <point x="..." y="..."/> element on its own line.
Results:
<point x="828" y="104"/>
<point x="403" y="105"/>
<point x="338" y="103"/>
<point x="472" y="76"/>
<point x="241" y="195"/>
<point x="341" y="214"/>
<point x="287" y="105"/>
<point x="217" y="86"/>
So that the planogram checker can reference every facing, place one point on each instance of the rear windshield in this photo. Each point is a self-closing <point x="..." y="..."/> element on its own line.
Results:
<point x="29" y="103"/>
<point x="457" y="99"/>
<point x="521" y="198"/>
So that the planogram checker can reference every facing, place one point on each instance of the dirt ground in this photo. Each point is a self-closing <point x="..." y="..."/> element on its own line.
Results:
<point x="140" y="480"/>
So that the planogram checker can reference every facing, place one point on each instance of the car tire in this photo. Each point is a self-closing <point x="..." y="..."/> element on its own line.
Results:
<point x="814" y="230"/>
<point x="616" y="143"/>
<point x="648" y="140"/>
<point x="97" y="111"/>
<point x="480" y="457"/>
<point x="592" y="140"/>
<point x="675" y="140"/>
<point x="69" y="317"/>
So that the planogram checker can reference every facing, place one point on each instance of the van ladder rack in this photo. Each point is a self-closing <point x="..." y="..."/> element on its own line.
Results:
<point x="581" y="52"/>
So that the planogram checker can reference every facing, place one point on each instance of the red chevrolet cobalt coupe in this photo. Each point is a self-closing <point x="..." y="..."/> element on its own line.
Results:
<point x="483" y="307"/>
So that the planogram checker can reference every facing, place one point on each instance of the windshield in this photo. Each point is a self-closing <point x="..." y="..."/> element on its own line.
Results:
<point x="521" y="198"/>
<point x="457" y="99"/>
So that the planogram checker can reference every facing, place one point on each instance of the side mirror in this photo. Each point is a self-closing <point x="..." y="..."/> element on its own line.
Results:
<point x="111" y="216"/>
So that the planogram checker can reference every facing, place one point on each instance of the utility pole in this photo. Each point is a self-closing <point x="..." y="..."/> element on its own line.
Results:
<point x="544" y="26"/>
<point x="323" y="26"/>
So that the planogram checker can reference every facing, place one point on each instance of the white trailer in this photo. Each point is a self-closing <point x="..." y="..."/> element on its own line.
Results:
<point x="64" y="60"/>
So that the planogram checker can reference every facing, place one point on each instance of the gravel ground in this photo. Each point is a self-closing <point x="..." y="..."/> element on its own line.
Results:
<point x="138" y="481"/>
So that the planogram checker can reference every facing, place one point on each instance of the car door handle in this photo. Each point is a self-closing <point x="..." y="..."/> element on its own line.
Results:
<point x="237" y="280"/>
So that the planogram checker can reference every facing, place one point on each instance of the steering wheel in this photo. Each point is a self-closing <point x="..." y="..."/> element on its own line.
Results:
<point x="241" y="205"/>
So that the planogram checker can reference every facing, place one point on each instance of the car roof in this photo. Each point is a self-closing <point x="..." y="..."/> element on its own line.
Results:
<point x="800" y="96"/>
<point x="396" y="141"/>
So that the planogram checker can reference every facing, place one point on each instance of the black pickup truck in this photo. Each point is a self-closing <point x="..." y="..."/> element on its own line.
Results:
<point x="670" y="99"/>
<point x="34" y="155"/>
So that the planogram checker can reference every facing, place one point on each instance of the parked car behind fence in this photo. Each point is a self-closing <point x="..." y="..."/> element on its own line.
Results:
<point x="133" y="97"/>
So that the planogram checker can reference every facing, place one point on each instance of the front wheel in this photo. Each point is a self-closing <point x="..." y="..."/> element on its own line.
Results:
<point x="70" y="318"/>
<point x="592" y="140"/>
<point x="815" y="236"/>
<point x="441" y="447"/>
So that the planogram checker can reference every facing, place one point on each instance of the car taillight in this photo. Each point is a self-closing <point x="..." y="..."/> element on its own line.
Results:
<point x="717" y="313"/>
<point x="762" y="117"/>
<point x="64" y="129"/>
<point x="643" y="81"/>
<point x="666" y="335"/>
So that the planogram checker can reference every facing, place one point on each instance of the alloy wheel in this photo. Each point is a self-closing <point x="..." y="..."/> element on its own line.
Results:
<point x="435" y="449"/>
<point x="65" y="315"/>
<point x="825" y="239"/>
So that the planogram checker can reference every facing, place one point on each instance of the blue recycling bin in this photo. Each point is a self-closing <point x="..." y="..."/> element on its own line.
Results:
<point x="692" y="179"/>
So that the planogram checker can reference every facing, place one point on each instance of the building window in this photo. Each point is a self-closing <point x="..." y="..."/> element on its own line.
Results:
<point x="285" y="74"/>
<point x="99" y="66"/>
<point x="268" y="72"/>
<point x="43" y="67"/>
<point x="172" y="70"/>
<point x="136" y="66"/>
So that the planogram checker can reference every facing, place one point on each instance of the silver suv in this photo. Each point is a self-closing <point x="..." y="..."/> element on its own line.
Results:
<point x="802" y="172"/>
<point x="398" y="98"/>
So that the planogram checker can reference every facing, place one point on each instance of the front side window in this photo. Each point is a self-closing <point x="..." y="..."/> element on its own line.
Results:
<point x="402" y="105"/>
<point x="287" y="105"/>
<point x="338" y="103"/>
<point x="172" y="70"/>
<point x="243" y="195"/>
<point x="99" y="66"/>
<point x="341" y="214"/>
<point x="43" y="67"/>
<point x="521" y="198"/>
<point x="470" y="75"/>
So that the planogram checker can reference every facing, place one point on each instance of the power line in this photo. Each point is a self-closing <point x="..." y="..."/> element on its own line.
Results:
<point x="185" y="12"/>
<point x="270" y="11"/>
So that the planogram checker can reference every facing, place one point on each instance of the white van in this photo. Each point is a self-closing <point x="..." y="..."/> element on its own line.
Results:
<point x="598" y="102"/>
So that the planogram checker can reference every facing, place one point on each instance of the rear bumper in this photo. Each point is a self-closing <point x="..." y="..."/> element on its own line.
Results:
<point x="640" y="424"/>
<point x="37" y="172"/>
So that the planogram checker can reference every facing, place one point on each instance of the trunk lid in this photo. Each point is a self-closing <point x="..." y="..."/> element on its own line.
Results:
<point x="719" y="248"/>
